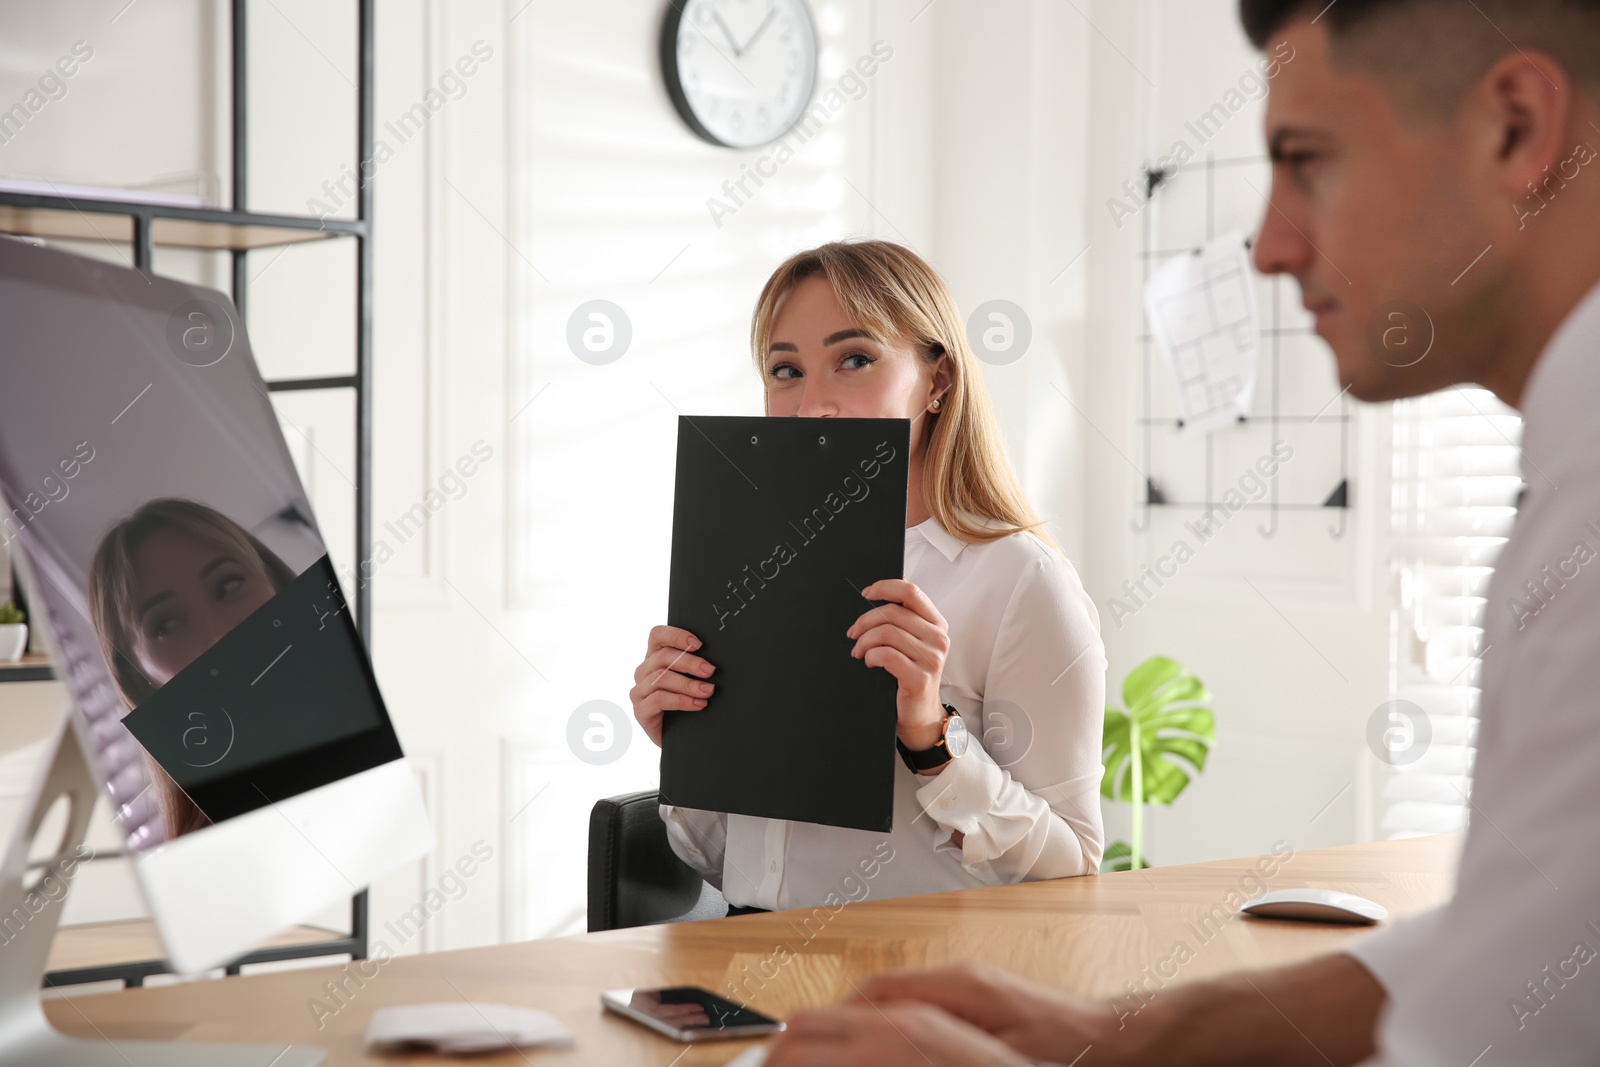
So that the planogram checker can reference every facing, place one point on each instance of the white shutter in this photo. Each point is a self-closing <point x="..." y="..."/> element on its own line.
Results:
<point x="1455" y="484"/>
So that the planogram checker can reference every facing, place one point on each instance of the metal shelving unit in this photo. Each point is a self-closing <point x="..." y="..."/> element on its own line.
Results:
<point x="239" y="231"/>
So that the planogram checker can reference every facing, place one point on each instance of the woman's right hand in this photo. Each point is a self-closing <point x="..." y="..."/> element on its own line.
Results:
<point x="669" y="679"/>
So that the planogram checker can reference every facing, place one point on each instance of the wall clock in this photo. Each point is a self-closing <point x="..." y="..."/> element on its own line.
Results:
<point x="740" y="72"/>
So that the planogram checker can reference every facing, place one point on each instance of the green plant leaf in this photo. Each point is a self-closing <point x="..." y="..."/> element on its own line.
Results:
<point x="1175" y="733"/>
<point x="10" y="614"/>
<point x="1119" y="857"/>
<point x="1147" y="677"/>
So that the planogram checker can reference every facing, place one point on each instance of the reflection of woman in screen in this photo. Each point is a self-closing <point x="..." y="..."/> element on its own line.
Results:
<point x="167" y="582"/>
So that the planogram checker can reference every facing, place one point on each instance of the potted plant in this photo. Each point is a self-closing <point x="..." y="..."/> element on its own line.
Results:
<point x="1167" y="716"/>
<point x="13" y="633"/>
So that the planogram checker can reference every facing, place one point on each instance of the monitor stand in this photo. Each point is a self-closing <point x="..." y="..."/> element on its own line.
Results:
<point x="28" y="920"/>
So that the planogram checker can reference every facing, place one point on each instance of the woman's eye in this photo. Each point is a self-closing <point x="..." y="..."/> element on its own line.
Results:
<point x="859" y="355"/>
<point x="161" y="626"/>
<point x="227" y="585"/>
<point x="777" y="372"/>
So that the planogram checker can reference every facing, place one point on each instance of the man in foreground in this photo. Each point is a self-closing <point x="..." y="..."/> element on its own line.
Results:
<point x="1440" y="156"/>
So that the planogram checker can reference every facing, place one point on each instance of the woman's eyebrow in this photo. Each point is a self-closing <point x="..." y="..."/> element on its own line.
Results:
<point x="831" y="339"/>
<point x="220" y="561"/>
<point x="144" y="609"/>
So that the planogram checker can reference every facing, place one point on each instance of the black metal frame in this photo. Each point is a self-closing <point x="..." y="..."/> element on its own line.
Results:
<point x="1154" y="496"/>
<point x="144" y="217"/>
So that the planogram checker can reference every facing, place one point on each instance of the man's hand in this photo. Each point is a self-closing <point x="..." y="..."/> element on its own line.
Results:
<point x="907" y="1034"/>
<point x="1312" y="1014"/>
<point x="1039" y="1022"/>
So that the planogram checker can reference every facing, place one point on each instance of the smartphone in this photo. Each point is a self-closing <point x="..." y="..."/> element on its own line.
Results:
<point x="688" y="1013"/>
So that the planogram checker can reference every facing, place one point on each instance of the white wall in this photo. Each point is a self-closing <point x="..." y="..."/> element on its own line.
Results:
<point x="989" y="142"/>
<point x="1289" y="631"/>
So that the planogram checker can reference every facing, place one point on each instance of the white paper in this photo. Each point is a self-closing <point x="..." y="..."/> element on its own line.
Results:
<point x="1202" y="311"/>
<point x="459" y="1027"/>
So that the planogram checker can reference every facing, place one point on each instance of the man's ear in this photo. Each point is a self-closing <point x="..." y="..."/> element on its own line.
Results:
<point x="1528" y="102"/>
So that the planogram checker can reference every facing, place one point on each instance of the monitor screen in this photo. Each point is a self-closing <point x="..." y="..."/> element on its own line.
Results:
<point x="197" y="620"/>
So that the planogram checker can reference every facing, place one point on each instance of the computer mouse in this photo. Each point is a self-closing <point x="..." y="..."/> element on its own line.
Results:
<point x="1316" y="905"/>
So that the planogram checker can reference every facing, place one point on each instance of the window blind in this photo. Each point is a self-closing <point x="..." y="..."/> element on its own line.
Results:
<point x="1456" y="477"/>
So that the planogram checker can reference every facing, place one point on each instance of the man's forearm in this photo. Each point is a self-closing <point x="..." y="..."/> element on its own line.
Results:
<point x="1315" y="1013"/>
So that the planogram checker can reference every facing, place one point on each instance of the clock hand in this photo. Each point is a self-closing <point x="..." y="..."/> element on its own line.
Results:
<point x="727" y="33"/>
<point x="771" y="13"/>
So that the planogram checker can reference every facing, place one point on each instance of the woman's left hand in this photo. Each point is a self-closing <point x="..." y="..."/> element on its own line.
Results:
<point x="909" y="639"/>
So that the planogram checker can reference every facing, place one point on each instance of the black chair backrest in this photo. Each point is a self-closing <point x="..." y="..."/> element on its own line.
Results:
<point x="635" y="879"/>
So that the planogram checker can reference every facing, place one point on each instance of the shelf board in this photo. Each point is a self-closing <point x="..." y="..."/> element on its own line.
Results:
<point x="135" y="940"/>
<point x="31" y="668"/>
<point x="171" y="226"/>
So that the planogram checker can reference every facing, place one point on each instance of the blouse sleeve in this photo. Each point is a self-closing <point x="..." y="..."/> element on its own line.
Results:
<point x="1026" y="795"/>
<point x="700" y="838"/>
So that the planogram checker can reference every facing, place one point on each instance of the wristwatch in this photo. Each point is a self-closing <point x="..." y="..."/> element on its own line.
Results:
<point x="951" y="745"/>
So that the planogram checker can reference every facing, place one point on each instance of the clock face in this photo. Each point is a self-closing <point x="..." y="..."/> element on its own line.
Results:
<point x="956" y="737"/>
<point x="740" y="72"/>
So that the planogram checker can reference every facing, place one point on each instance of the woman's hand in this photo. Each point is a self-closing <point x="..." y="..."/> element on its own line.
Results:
<point x="909" y="639"/>
<point x="669" y="679"/>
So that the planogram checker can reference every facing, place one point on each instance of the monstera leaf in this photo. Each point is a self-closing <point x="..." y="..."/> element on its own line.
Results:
<point x="1119" y="857"/>
<point x="1149" y="749"/>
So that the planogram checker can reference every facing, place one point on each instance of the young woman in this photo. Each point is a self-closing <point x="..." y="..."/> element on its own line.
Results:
<point x="166" y="583"/>
<point x="990" y="618"/>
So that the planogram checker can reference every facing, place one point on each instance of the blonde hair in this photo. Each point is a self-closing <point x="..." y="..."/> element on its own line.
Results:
<point x="114" y="611"/>
<point x="893" y="294"/>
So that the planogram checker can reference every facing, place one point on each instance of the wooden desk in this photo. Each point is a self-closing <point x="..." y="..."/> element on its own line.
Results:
<point x="1087" y="935"/>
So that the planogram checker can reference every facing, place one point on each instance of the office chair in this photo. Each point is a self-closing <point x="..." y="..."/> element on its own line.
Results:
<point x="635" y="879"/>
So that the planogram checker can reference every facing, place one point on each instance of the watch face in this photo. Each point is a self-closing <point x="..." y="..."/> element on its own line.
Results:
<point x="956" y="736"/>
<point x="740" y="72"/>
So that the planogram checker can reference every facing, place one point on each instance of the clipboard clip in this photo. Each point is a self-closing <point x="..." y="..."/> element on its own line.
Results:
<point x="821" y="440"/>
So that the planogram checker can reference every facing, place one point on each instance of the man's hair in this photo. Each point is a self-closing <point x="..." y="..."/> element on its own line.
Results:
<point x="1440" y="46"/>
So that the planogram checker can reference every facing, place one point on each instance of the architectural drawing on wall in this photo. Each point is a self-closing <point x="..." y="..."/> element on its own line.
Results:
<point x="1202" y="311"/>
<point x="1203" y="315"/>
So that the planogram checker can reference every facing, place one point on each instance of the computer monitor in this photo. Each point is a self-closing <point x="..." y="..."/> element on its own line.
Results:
<point x="218" y="682"/>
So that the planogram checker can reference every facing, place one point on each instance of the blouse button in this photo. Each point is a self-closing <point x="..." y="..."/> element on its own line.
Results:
<point x="772" y="865"/>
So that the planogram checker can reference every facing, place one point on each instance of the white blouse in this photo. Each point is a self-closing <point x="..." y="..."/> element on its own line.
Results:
<point x="1026" y="669"/>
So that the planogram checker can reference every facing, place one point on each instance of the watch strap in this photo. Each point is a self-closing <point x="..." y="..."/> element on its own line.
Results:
<point x="929" y="758"/>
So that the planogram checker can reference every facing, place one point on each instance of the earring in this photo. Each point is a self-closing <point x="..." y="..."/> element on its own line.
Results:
<point x="936" y="404"/>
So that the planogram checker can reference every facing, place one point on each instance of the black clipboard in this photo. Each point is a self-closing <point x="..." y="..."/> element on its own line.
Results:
<point x="777" y="526"/>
